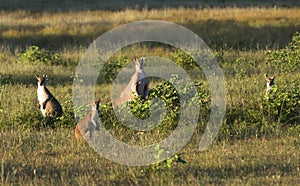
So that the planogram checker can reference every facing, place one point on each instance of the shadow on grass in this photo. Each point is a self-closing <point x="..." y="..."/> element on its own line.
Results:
<point x="240" y="171"/>
<point x="234" y="35"/>
<point x="53" y="80"/>
<point x="66" y="173"/>
<point x="217" y="34"/>
<point x="27" y="35"/>
<point x="114" y="5"/>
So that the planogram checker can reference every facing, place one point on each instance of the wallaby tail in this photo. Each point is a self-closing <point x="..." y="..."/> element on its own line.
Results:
<point x="77" y="133"/>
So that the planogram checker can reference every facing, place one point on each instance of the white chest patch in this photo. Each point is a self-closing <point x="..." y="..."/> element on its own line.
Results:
<point x="42" y="97"/>
<point x="269" y="87"/>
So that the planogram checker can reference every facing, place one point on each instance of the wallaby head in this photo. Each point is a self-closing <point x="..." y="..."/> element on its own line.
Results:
<point x="95" y="104"/>
<point x="270" y="82"/>
<point x="41" y="80"/>
<point x="139" y="63"/>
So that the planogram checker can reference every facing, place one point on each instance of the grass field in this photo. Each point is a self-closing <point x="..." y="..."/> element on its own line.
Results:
<point x="54" y="157"/>
<point x="255" y="146"/>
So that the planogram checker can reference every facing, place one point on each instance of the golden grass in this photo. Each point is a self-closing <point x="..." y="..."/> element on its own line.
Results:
<point x="23" y="23"/>
<point x="54" y="157"/>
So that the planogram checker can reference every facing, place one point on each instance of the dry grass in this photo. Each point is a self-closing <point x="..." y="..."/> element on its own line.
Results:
<point x="48" y="21"/>
<point x="90" y="24"/>
<point x="53" y="157"/>
<point x="44" y="158"/>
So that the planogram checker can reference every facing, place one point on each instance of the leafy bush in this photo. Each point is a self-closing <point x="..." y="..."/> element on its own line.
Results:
<point x="183" y="59"/>
<point x="288" y="59"/>
<point x="282" y="105"/>
<point x="110" y="69"/>
<point x="35" y="55"/>
<point x="166" y="91"/>
<point x="162" y="166"/>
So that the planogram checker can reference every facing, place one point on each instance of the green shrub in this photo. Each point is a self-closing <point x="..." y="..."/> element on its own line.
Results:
<point x="183" y="59"/>
<point x="35" y="55"/>
<point x="282" y="104"/>
<point x="110" y="69"/>
<point x="167" y="92"/>
<point x="288" y="59"/>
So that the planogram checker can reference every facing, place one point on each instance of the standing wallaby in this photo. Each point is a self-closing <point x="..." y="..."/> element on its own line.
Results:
<point x="270" y="83"/>
<point x="47" y="102"/>
<point x="138" y="84"/>
<point x="87" y="125"/>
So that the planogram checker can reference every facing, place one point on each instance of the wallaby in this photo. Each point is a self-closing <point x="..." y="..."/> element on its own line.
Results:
<point x="47" y="102"/>
<point x="270" y="83"/>
<point x="138" y="85"/>
<point x="87" y="125"/>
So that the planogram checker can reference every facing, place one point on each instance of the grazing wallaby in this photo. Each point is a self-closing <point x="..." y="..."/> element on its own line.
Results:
<point x="47" y="102"/>
<point x="138" y="84"/>
<point x="270" y="83"/>
<point x="87" y="125"/>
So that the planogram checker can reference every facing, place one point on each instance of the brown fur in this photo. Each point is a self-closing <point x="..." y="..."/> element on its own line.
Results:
<point x="87" y="125"/>
<point x="137" y="86"/>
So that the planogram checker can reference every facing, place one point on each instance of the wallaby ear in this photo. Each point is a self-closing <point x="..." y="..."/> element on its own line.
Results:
<point x="273" y="77"/>
<point x="142" y="60"/>
<point x="135" y="60"/>
<point x="37" y="77"/>
<point x="97" y="104"/>
<point x="98" y="101"/>
<point x="45" y="76"/>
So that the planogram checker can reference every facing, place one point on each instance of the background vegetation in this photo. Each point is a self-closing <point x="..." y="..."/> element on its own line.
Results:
<point x="258" y="142"/>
